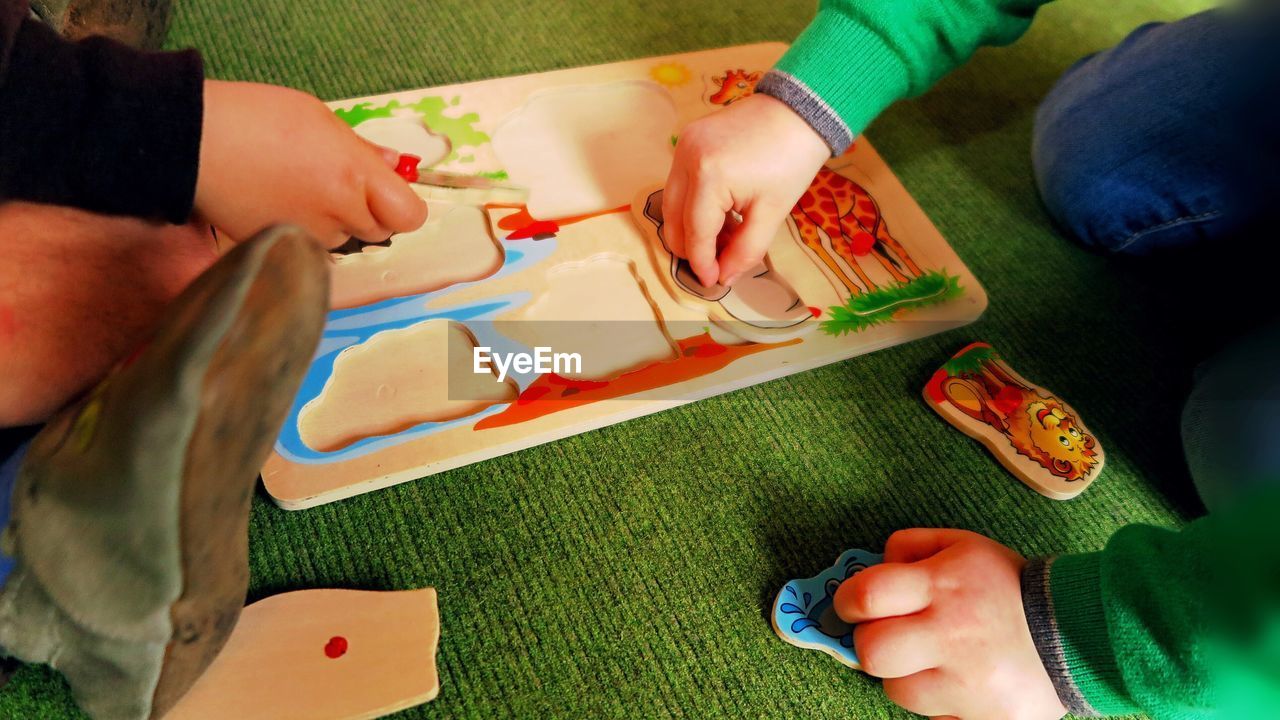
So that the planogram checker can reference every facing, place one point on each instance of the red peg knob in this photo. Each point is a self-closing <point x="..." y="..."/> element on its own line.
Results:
<point x="407" y="167"/>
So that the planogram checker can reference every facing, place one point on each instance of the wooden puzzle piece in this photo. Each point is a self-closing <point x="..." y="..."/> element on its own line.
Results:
<point x="322" y="655"/>
<point x="406" y="133"/>
<point x="761" y="307"/>
<point x="1034" y="434"/>
<point x="453" y="246"/>
<point x="586" y="149"/>
<point x="457" y="188"/>
<point x="398" y="379"/>
<point x="804" y="615"/>
<point x="599" y="309"/>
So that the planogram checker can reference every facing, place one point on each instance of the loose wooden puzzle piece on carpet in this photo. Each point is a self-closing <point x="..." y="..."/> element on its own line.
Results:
<point x="579" y="267"/>
<point x="1035" y="435"/>
<point x="322" y="655"/>
<point x="804" y="613"/>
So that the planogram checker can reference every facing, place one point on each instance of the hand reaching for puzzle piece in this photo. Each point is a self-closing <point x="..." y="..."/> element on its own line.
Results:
<point x="274" y="155"/>
<point x="755" y="157"/>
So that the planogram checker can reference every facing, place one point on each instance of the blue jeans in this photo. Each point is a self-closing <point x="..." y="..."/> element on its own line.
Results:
<point x="1166" y="144"/>
<point x="1166" y="141"/>
<point x="13" y="446"/>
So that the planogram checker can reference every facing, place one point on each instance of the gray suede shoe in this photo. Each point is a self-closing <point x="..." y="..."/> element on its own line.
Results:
<point x="130" y="512"/>
<point x="140" y="23"/>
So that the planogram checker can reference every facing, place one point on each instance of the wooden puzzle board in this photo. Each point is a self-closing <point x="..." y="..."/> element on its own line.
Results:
<point x="391" y="395"/>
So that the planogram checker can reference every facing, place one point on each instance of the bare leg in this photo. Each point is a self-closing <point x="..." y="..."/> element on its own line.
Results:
<point x="77" y="293"/>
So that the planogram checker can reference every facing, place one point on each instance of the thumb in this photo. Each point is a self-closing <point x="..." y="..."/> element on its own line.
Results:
<point x="394" y="204"/>
<point x="748" y="243"/>
<point x="907" y="546"/>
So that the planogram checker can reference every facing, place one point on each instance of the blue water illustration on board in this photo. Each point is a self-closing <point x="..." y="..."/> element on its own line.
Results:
<point x="804" y="612"/>
<point x="353" y="326"/>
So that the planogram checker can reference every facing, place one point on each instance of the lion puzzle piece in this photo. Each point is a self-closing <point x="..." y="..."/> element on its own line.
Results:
<point x="804" y="614"/>
<point x="322" y="655"/>
<point x="1035" y="435"/>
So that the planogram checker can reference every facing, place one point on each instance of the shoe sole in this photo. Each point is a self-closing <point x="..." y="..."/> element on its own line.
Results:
<point x="248" y="389"/>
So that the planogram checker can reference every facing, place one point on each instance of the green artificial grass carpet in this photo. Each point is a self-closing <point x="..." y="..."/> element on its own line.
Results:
<point x="627" y="572"/>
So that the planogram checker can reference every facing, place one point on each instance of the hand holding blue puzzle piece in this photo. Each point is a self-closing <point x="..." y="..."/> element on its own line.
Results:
<point x="804" y="612"/>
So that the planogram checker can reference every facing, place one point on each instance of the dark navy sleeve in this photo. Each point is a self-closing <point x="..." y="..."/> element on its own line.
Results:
<point x="96" y="124"/>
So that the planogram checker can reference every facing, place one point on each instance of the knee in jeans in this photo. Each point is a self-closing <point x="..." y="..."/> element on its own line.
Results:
<point x="1107" y="199"/>
<point x="1121" y="166"/>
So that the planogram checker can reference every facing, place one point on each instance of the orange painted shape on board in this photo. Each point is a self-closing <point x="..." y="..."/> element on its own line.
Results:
<point x="699" y="355"/>
<point x="322" y="655"/>
<point x="523" y="225"/>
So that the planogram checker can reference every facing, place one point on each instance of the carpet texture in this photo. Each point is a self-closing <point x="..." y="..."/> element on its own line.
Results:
<point x="627" y="572"/>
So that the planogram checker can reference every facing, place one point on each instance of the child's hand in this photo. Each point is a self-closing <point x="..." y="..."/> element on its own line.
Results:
<point x="755" y="157"/>
<point x="941" y="620"/>
<point x="270" y="154"/>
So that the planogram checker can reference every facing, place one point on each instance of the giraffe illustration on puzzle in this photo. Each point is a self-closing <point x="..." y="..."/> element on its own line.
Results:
<point x="734" y="85"/>
<point x="850" y="219"/>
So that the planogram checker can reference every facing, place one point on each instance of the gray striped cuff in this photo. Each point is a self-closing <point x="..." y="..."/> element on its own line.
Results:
<point x="808" y="105"/>
<point x="1037" y="603"/>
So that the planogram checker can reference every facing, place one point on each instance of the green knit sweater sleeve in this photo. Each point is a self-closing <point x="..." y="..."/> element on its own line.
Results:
<point x="1176" y="624"/>
<point x="858" y="56"/>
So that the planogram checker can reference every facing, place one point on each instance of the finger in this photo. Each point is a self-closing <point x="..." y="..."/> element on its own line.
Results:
<point x="390" y="156"/>
<point x="364" y="227"/>
<point x="882" y="591"/>
<point x="393" y="203"/>
<point x="673" y="197"/>
<point x="920" y="693"/>
<point x="704" y="215"/>
<point x="906" y="546"/>
<point x="748" y="243"/>
<point x="896" y="647"/>
<point x="333" y="239"/>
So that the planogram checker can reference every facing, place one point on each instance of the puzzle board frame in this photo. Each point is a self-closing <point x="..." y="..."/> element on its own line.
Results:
<point x="471" y="115"/>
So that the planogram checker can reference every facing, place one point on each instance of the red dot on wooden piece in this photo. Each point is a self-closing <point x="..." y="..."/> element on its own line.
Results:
<point x="815" y="311"/>
<point x="407" y="167"/>
<point x="336" y="647"/>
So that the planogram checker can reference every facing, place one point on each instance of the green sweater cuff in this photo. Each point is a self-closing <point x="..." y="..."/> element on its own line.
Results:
<point x="1076" y="587"/>
<point x="867" y="79"/>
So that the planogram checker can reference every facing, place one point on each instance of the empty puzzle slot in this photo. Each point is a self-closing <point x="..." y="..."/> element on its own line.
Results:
<point x="599" y="309"/>
<point x="406" y="133"/>
<point x="453" y="246"/>
<point x="586" y="149"/>
<point x="398" y="379"/>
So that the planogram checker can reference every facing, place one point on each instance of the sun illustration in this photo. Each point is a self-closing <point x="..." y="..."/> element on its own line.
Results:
<point x="670" y="74"/>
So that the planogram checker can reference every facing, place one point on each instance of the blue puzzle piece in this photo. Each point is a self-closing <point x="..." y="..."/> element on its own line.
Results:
<point x="803" y="614"/>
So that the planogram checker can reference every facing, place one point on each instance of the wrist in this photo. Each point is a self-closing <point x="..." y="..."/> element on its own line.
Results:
<point x="798" y="138"/>
<point x="1062" y="600"/>
<point x="838" y="99"/>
